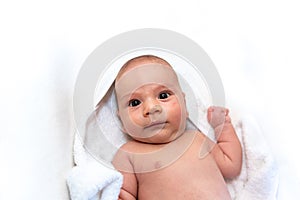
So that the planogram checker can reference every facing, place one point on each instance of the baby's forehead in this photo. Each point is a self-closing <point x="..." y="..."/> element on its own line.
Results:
<point x="140" y="75"/>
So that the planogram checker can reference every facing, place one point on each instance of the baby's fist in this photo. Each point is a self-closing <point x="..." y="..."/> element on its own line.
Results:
<point x="217" y="116"/>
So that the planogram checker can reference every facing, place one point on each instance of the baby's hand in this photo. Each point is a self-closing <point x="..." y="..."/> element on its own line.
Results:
<point x="217" y="116"/>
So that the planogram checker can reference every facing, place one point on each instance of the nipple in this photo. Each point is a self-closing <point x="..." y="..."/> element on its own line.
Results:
<point x="157" y="165"/>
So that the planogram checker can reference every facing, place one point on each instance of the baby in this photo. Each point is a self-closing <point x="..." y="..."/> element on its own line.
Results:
<point x="164" y="160"/>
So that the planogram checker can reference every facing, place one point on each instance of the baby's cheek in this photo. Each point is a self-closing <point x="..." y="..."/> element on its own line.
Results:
<point x="175" y="107"/>
<point x="128" y="119"/>
<point x="178" y="112"/>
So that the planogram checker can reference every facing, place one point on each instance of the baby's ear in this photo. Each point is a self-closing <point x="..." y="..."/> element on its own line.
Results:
<point x="183" y="94"/>
<point x="118" y="114"/>
<point x="122" y="126"/>
<point x="187" y="113"/>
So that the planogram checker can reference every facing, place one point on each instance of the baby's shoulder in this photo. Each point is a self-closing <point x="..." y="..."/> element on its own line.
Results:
<point x="130" y="146"/>
<point x="198" y="134"/>
<point x="200" y="139"/>
<point x="122" y="158"/>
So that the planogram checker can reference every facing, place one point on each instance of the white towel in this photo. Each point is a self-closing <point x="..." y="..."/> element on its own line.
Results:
<point x="90" y="179"/>
<point x="259" y="177"/>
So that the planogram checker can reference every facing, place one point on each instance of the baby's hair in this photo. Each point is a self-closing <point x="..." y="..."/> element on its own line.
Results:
<point x="152" y="58"/>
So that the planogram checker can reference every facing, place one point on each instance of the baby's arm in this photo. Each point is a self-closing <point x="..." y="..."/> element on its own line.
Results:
<point x="228" y="151"/>
<point x="122" y="163"/>
<point x="129" y="187"/>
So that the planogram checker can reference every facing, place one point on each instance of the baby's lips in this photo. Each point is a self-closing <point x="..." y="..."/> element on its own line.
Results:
<point x="156" y="123"/>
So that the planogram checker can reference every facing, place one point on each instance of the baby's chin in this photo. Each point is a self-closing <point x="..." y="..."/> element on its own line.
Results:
<point x="160" y="138"/>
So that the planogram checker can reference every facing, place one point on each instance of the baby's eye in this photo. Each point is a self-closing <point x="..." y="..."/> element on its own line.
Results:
<point x="164" y="95"/>
<point x="134" y="102"/>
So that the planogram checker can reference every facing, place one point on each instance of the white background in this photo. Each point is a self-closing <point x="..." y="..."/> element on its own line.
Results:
<point x="254" y="44"/>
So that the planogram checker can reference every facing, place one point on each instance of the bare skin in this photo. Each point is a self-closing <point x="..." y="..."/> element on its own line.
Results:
<point x="172" y="163"/>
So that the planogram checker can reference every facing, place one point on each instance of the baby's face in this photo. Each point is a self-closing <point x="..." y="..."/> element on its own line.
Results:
<point x="151" y="104"/>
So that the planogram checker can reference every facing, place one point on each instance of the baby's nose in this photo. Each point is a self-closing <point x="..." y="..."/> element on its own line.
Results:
<point x="152" y="107"/>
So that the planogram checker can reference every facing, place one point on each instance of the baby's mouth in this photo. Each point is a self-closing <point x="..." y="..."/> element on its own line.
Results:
<point x="156" y="124"/>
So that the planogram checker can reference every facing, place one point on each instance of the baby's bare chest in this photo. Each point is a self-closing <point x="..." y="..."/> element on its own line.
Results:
<point x="186" y="168"/>
<point x="187" y="177"/>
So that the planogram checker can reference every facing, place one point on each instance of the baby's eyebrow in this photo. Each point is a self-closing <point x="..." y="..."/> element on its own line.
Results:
<point x="127" y="95"/>
<point x="163" y="88"/>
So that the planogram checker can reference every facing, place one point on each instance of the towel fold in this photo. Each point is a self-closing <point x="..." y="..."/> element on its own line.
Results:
<point x="91" y="179"/>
